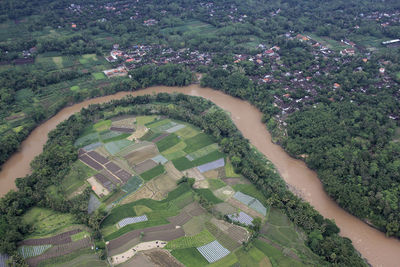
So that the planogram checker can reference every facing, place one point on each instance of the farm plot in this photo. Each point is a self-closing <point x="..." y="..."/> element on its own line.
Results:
<point x="222" y="238"/>
<point x="59" y="250"/>
<point x="132" y="185"/>
<point x="132" y="220"/>
<point x="190" y="257"/>
<point x="197" y="142"/>
<point x="211" y="165"/>
<point x="155" y="137"/>
<point x="242" y="218"/>
<point x="87" y="139"/>
<point x="175" y="128"/>
<point x="167" y="142"/>
<point x="109" y="136"/>
<point x="142" y="120"/>
<point x="224" y="208"/>
<point x="202" y="238"/>
<point x="180" y="219"/>
<point x="154" y="172"/>
<point x="97" y="157"/>
<point x="251" y="202"/>
<point x="172" y="171"/>
<point x="90" y="162"/>
<point x="47" y="222"/>
<point x="141" y="154"/>
<point x="117" y="146"/>
<point x="139" y="133"/>
<point x="159" y="159"/>
<point x="175" y="151"/>
<point x="32" y="251"/>
<point x="164" y="127"/>
<point x="165" y="235"/>
<point x="62" y="238"/>
<point x="124" y="122"/>
<point x="213" y="251"/>
<point x="237" y="233"/>
<point x="102" y="125"/>
<point x="202" y="152"/>
<point x="145" y="166"/>
<point x="92" y="146"/>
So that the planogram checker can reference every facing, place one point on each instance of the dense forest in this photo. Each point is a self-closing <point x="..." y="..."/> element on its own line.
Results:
<point x="335" y="109"/>
<point x="53" y="164"/>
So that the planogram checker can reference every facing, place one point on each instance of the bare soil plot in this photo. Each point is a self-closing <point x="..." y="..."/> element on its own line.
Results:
<point x="139" y="133"/>
<point x="225" y="208"/>
<point x="111" y="177"/>
<point x="211" y="174"/>
<point x="162" y="258"/>
<point x="112" y="167"/>
<point x="131" y="243"/>
<point x="140" y="259"/>
<point x="234" y="181"/>
<point x="144" y="166"/>
<point x="237" y="233"/>
<point x="90" y="162"/>
<point x="122" y="130"/>
<point x="97" y="187"/>
<point x="194" y="209"/>
<point x="172" y="171"/>
<point x="180" y="219"/>
<point x="196" y="224"/>
<point x="144" y="192"/>
<point x="141" y="154"/>
<point x="165" y="235"/>
<point x="60" y="250"/>
<point x="97" y="157"/>
<point x="106" y="183"/>
<point x="122" y="240"/>
<point x="123" y="175"/>
<point x="62" y="238"/>
<point x="165" y="184"/>
<point x="194" y="173"/>
<point x="203" y="184"/>
<point x="224" y="193"/>
<point x="244" y="208"/>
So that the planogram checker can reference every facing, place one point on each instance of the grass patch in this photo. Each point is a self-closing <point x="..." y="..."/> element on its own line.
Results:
<point x="142" y="120"/>
<point x="98" y="75"/>
<point x="277" y="218"/>
<point x="75" y="88"/>
<point x="168" y="142"/>
<point x="276" y="257"/>
<point x="187" y="132"/>
<point x="227" y="261"/>
<point x="215" y="184"/>
<point x="199" y="141"/>
<point x="46" y="222"/>
<point x="102" y="125"/>
<point x="204" y="151"/>
<point x="202" y="238"/>
<point x="150" y="174"/>
<point x="246" y="259"/>
<point x="208" y="195"/>
<point x="157" y="123"/>
<point x="58" y="61"/>
<point x="175" y="151"/>
<point x="190" y="257"/>
<point x="79" y="236"/>
<point x="229" y="171"/>
<point x="76" y="177"/>
<point x="141" y="209"/>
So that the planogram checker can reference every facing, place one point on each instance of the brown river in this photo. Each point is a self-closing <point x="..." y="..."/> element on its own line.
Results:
<point x="372" y="244"/>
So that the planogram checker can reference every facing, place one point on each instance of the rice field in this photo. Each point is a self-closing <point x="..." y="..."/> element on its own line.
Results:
<point x="196" y="142"/>
<point x="150" y="174"/>
<point x="190" y="257"/>
<point x="203" y="151"/>
<point x="167" y="142"/>
<point x="202" y="238"/>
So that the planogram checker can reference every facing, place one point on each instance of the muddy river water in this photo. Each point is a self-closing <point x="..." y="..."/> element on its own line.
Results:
<point x="372" y="244"/>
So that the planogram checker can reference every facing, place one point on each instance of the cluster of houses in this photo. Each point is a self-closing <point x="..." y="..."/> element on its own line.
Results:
<point x="139" y="55"/>
<point x="384" y="18"/>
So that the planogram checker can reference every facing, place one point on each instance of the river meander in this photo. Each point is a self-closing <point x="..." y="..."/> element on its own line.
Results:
<point x="372" y="244"/>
